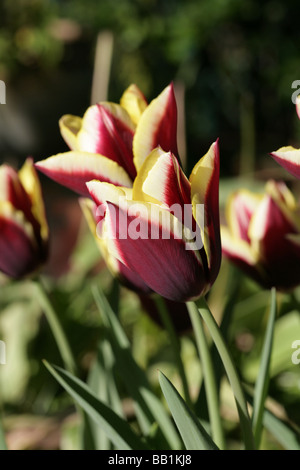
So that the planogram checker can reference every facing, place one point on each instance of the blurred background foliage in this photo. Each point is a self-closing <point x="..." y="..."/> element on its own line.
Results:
<point x="236" y="61"/>
<point x="233" y="64"/>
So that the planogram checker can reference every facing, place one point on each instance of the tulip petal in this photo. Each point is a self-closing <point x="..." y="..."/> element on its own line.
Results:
<point x="285" y="200"/>
<point x="108" y="130"/>
<point x="18" y="250"/>
<point x="149" y="241"/>
<point x="160" y="180"/>
<point x="204" y="181"/>
<point x="268" y="233"/>
<point x="239" y="210"/>
<point x="30" y="181"/>
<point x="69" y="127"/>
<point x="12" y="190"/>
<point x="239" y="252"/>
<point x="127" y="277"/>
<point x="288" y="158"/>
<point x="157" y="127"/>
<point x="134" y="102"/>
<point x="74" y="169"/>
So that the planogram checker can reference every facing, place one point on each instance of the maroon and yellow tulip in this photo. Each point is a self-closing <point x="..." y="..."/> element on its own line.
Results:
<point x="111" y="141"/>
<point x="144" y="230"/>
<point x="23" y="225"/>
<point x="125" y="275"/>
<point x="289" y="157"/>
<point x="263" y="235"/>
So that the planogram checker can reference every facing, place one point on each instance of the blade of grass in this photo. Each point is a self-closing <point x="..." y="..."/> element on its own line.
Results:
<point x="97" y="382"/>
<point x="118" y="430"/>
<point x="148" y="406"/>
<point x="262" y="383"/>
<point x="232" y="290"/>
<point x="211" y="389"/>
<point x="56" y="327"/>
<point x="285" y="435"/>
<point x="192" y="432"/>
<point x="101" y="380"/>
<point x="176" y="346"/>
<point x="232" y="374"/>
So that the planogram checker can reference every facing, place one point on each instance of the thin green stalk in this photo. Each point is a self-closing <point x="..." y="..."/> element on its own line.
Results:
<point x="232" y="374"/>
<point x="176" y="347"/>
<point x="56" y="328"/>
<point x="209" y="377"/>
<point x="66" y="354"/>
<point x="262" y="383"/>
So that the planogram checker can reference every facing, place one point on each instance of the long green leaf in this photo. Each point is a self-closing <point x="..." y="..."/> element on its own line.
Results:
<point x="262" y="383"/>
<point x="118" y="430"/>
<point x="285" y="435"/>
<point x="102" y="382"/>
<point x="231" y="371"/>
<point x="148" y="407"/>
<point x="192" y="432"/>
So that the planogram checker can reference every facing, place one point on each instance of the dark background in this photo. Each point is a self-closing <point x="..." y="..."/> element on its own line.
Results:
<point x="235" y="60"/>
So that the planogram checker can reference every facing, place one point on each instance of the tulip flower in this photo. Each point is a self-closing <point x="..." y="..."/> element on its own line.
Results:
<point x="111" y="141"/>
<point x="289" y="157"/>
<point x="23" y="225"/>
<point x="125" y="275"/>
<point x="145" y="227"/>
<point x="263" y="235"/>
<point x="131" y="279"/>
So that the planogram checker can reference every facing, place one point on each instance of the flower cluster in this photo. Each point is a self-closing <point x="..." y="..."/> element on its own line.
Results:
<point x="123" y="162"/>
<point x="125" y="155"/>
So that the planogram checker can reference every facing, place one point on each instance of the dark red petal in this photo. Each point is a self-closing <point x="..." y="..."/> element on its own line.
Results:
<point x="18" y="257"/>
<point x="165" y="265"/>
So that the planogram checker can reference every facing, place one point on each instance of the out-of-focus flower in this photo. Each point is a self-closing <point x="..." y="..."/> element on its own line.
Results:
<point x="289" y="157"/>
<point x="23" y="225"/>
<point x="165" y="229"/>
<point x="263" y="235"/>
<point x="111" y="141"/>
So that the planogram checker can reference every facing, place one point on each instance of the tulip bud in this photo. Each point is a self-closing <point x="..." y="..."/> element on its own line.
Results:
<point x="23" y="225"/>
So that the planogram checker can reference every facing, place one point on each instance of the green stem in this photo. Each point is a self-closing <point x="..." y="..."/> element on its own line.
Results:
<point x="262" y="383"/>
<point x="56" y="328"/>
<point x="232" y="374"/>
<point x="176" y="347"/>
<point x="208" y="375"/>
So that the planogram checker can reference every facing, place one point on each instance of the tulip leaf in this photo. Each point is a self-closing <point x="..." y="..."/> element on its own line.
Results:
<point x="191" y="430"/>
<point x="118" y="430"/>
<point x="102" y="383"/>
<point x="262" y="383"/>
<point x="285" y="435"/>
<point x="149" y="408"/>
